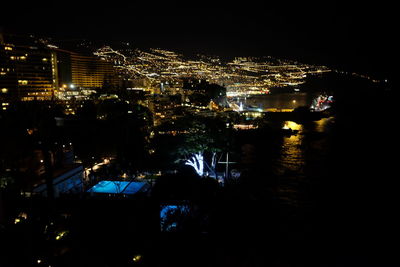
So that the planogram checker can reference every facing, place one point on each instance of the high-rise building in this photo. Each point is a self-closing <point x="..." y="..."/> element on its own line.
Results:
<point x="27" y="70"/>
<point x="91" y="72"/>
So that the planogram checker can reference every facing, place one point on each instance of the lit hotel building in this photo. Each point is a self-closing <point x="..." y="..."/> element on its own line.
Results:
<point x="90" y="72"/>
<point x="82" y="71"/>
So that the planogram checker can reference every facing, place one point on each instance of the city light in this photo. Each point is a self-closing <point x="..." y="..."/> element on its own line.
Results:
<point x="137" y="258"/>
<point x="61" y="235"/>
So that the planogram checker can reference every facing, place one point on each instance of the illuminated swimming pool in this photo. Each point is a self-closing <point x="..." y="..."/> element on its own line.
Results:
<point x="117" y="187"/>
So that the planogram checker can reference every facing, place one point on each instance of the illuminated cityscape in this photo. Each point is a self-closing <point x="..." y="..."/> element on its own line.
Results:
<point x="241" y="76"/>
<point x="214" y="134"/>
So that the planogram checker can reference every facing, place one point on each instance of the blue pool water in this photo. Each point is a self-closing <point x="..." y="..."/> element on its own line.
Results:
<point x="117" y="187"/>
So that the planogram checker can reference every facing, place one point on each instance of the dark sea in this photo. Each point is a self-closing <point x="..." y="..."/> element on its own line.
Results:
<point x="336" y="183"/>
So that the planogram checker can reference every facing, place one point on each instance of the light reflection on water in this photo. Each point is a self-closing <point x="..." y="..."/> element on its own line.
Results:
<point x="280" y="101"/>
<point x="324" y="124"/>
<point x="309" y="144"/>
<point x="291" y="156"/>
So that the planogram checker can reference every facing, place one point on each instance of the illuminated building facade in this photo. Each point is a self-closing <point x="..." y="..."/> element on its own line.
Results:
<point x="26" y="71"/>
<point x="78" y="75"/>
<point x="90" y="72"/>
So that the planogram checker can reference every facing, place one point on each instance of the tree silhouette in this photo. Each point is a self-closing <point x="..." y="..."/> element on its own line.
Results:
<point x="205" y="136"/>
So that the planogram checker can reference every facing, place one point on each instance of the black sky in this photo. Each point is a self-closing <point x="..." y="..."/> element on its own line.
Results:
<point x="354" y="35"/>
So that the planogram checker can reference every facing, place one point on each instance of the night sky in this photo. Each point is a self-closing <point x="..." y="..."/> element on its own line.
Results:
<point x="354" y="36"/>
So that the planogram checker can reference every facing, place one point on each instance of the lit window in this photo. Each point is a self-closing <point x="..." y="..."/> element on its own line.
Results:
<point x="22" y="82"/>
<point x="8" y="48"/>
<point x="4" y="90"/>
